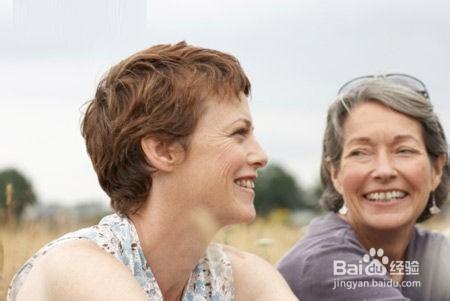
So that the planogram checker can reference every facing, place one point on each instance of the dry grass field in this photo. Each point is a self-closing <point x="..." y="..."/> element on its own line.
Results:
<point x="269" y="238"/>
<point x="19" y="242"/>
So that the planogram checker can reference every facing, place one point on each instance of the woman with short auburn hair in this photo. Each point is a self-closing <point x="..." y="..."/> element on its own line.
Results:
<point x="170" y="136"/>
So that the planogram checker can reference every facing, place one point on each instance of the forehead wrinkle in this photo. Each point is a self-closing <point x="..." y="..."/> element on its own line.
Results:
<point x="397" y="139"/>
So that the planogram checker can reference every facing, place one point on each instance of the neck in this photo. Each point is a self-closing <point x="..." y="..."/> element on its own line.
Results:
<point x="394" y="242"/>
<point x="173" y="236"/>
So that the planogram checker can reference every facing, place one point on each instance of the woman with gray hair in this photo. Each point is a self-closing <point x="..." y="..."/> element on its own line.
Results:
<point x="384" y="169"/>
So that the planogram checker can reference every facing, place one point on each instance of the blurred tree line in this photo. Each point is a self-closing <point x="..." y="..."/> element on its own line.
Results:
<point x="276" y="188"/>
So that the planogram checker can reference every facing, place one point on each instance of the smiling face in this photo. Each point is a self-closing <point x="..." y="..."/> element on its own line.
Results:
<point x="222" y="159"/>
<point x="385" y="175"/>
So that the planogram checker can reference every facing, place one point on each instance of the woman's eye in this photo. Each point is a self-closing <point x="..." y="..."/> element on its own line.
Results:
<point x="356" y="153"/>
<point x="241" y="132"/>
<point x="406" y="151"/>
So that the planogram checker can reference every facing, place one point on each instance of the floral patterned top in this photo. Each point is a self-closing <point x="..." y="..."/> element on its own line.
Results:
<point x="211" y="279"/>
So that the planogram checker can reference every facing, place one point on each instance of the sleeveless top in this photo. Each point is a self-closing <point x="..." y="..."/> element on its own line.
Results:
<point x="211" y="279"/>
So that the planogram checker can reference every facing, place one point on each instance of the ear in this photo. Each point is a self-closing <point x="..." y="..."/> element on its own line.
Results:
<point x="161" y="155"/>
<point x="334" y="174"/>
<point x="438" y="167"/>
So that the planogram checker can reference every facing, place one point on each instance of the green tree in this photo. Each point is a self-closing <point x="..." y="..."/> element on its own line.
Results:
<point x="276" y="188"/>
<point x="313" y="195"/>
<point x="16" y="188"/>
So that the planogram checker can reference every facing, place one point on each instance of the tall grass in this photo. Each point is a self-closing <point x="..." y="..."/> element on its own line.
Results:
<point x="19" y="242"/>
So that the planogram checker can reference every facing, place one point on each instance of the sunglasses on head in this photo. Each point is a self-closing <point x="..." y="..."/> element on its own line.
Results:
<point x="405" y="80"/>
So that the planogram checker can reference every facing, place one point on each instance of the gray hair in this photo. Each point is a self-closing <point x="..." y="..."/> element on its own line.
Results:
<point x="398" y="98"/>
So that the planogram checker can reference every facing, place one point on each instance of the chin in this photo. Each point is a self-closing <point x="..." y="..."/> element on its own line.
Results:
<point x="249" y="217"/>
<point x="245" y="215"/>
<point x="389" y="221"/>
<point x="244" y="211"/>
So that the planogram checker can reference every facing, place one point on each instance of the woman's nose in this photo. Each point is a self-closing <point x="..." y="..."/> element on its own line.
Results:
<point x="257" y="157"/>
<point x="384" y="169"/>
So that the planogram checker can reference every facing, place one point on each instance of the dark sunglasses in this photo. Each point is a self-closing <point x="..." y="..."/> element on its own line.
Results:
<point x="405" y="80"/>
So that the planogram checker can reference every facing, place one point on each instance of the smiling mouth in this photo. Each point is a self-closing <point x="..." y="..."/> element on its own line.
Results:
<point x="249" y="184"/>
<point x="385" y="196"/>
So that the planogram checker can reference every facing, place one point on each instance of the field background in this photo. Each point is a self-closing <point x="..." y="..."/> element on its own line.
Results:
<point x="267" y="237"/>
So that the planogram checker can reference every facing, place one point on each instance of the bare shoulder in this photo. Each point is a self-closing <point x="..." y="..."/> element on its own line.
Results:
<point x="255" y="278"/>
<point x="79" y="270"/>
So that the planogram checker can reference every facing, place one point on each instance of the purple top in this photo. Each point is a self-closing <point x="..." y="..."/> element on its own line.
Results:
<point x="330" y="263"/>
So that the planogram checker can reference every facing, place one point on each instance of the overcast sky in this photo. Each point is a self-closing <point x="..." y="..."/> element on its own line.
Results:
<point x="297" y="54"/>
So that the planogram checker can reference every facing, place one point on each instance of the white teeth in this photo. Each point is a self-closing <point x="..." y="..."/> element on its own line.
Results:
<point x="385" y="196"/>
<point x="245" y="183"/>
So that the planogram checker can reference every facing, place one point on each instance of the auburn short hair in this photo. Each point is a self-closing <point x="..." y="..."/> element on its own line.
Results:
<point x="158" y="92"/>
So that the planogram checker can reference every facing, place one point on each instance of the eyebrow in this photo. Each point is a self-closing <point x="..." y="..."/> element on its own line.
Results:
<point x="406" y="137"/>
<point x="397" y="139"/>
<point x="358" y="140"/>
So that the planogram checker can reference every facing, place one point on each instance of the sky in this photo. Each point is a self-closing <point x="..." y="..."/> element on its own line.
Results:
<point x="297" y="53"/>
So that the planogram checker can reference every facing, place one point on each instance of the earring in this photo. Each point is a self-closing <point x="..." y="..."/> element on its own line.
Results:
<point x="434" y="209"/>
<point x="344" y="209"/>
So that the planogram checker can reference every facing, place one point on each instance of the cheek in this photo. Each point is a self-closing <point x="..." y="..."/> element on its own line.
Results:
<point x="419" y="174"/>
<point x="351" y="179"/>
<point x="229" y="160"/>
